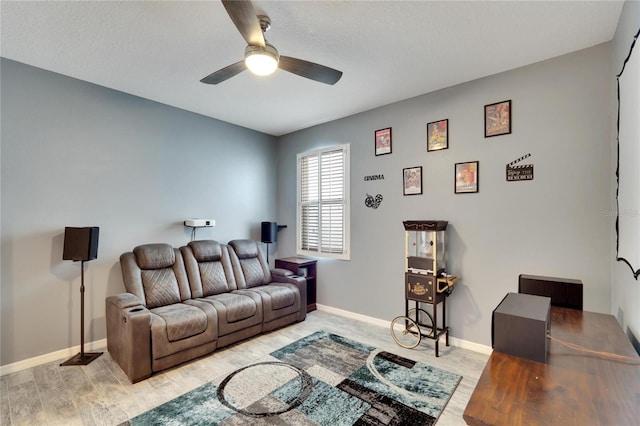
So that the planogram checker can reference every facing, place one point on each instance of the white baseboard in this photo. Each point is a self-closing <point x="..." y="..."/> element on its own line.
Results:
<point x="460" y="343"/>
<point x="102" y="344"/>
<point x="472" y="346"/>
<point x="52" y="356"/>
<point x="353" y="315"/>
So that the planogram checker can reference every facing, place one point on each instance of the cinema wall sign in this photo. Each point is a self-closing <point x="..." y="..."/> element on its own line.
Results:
<point x="374" y="177"/>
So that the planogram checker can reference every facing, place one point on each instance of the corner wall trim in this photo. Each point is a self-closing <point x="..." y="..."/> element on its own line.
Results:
<point x="60" y="355"/>
<point x="460" y="343"/>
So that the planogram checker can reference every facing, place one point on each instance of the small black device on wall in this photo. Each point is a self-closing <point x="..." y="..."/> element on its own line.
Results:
<point x="81" y="244"/>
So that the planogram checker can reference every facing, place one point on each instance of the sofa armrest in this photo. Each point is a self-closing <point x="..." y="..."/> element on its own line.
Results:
<point x="299" y="282"/>
<point x="280" y="272"/>
<point x="124" y="300"/>
<point x="129" y="335"/>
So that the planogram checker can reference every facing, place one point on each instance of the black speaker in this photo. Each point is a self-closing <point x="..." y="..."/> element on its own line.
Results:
<point x="565" y="292"/>
<point x="520" y="325"/>
<point x="269" y="232"/>
<point x="80" y="243"/>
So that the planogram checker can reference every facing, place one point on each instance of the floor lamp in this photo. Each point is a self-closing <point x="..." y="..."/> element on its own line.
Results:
<point x="81" y="244"/>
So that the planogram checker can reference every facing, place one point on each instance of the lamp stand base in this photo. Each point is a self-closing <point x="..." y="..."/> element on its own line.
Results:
<point x="82" y="359"/>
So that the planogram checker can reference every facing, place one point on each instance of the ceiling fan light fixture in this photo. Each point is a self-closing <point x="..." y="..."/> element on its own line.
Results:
<point x="261" y="60"/>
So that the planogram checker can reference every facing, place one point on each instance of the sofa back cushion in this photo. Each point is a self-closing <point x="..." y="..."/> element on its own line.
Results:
<point x="252" y="271"/>
<point x="155" y="273"/>
<point x="249" y="265"/>
<point x="208" y="268"/>
<point x="154" y="256"/>
<point x="206" y="250"/>
<point x="160" y="287"/>
<point x="214" y="280"/>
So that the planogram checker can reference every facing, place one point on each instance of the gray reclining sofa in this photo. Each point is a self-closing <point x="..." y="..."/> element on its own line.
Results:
<point x="184" y="303"/>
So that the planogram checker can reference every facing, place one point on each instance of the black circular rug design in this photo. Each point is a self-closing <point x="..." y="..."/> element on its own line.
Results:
<point x="305" y="389"/>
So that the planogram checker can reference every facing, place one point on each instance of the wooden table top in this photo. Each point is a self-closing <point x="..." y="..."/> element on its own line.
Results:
<point x="297" y="260"/>
<point x="572" y="388"/>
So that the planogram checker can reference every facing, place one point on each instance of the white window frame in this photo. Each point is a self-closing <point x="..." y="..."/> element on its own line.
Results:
<point x="321" y="251"/>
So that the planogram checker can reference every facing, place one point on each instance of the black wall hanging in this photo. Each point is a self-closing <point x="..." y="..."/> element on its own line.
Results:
<point x="517" y="173"/>
<point x="373" y="202"/>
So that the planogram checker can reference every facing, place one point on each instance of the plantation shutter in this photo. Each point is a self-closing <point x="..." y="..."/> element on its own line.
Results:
<point x="310" y="196"/>
<point x="323" y="202"/>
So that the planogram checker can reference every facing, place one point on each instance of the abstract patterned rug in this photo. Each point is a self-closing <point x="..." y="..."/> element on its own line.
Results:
<point x="322" y="379"/>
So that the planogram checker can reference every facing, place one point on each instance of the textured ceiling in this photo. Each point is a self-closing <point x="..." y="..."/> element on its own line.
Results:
<point x="388" y="51"/>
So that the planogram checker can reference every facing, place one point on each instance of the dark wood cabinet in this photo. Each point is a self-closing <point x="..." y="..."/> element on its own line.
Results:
<point x="304" y="267"/>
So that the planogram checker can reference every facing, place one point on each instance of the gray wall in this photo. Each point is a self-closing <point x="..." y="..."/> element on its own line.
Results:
<point x="625" y="292"/>
<point x="554" y="225"/>
<point x="76" y="154"/>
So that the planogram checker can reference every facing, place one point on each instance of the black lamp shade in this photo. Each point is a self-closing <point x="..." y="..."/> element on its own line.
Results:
<point x="269" y="232"/>
<point x="80" y="243"/>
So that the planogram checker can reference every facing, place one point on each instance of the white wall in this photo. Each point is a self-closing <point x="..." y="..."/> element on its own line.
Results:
<point x="76" y="154"/>
<point x="554" y="225"/>
<point x="625" y="301"/>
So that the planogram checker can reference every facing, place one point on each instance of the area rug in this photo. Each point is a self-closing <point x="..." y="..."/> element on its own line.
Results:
<point x="321" y="379"/>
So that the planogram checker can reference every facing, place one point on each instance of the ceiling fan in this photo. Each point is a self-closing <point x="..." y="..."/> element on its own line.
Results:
<point x="260" y="57"/>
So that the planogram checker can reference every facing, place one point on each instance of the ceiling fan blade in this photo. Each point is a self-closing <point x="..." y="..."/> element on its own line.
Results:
<point x="310" y="70"/>
<point x="244" y="17"/>
<point x="225" y="73"/>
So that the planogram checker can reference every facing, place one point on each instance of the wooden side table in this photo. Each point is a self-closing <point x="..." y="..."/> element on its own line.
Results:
<point x="304" y="267"/>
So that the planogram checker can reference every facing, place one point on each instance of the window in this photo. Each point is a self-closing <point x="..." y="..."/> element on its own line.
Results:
<point x="323" y="203"/>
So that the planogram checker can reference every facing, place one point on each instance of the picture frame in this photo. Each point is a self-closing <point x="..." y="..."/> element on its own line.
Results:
<point x="467" y="177"/>
<point x="438" y="135"/>
<point x="412" y="180"/>
<point x="497" y="119"/>
<point x="382" y="141"/>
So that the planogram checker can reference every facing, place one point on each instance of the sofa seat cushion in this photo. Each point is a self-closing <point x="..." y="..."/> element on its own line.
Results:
<point x="236" y="310"/>
<point x="181" y="321"/>
<point x="281" y="296"/>
<point x="238" y="306"/>
<point x="278" y="299"/>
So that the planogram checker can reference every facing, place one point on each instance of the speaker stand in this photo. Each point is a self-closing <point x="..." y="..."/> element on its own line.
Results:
<point x="83" y="358"/>
<point x="267" y="253"/>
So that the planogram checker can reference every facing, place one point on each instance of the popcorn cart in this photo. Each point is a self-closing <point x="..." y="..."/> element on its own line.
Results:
<point x="427" y="284"/>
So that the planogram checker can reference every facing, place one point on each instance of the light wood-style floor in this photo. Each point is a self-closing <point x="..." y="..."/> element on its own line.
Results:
<point x="100" y="393"/>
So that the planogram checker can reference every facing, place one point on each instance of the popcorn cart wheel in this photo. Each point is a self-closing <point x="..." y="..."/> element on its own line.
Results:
<point x="408" y="331"/>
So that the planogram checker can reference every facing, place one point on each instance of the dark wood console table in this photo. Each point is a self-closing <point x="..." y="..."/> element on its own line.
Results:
<point x="306" y="267"/>
<point x="572" y="388"/>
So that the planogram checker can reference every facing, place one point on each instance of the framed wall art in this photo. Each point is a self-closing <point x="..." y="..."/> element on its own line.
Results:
<point x="438" y="135"/>
<point x="383" y="141"/>
<point x="467" y="177"/>
<point x="497" y="119"/>
<point x="412" y="180"/>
